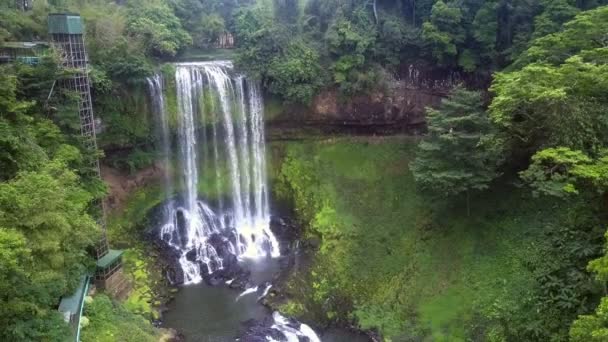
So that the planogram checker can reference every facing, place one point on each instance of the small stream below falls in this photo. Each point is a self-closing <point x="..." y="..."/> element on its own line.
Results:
<point x="216" y="132"/>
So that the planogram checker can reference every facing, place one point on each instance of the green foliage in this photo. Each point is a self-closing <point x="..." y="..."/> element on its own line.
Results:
<point x="289" y="68"/>
<point x="594" y="327"/>
<point x="109" y="322"/>
<point x="485" y="28"/>
<point x="259" y="41"/>
<point x="388" y="261"/>
<point x="356" y="39"/>
<point x="16" y="25"/>
<point x="444" y="30"/>
<point x="141" y="296"/>
<point x="126" y="223"/>
<point x="45" y="227"/>
<point x="591" y="328"/>
<point x="48" y="209"/>
<point x="156" y="24"/>
<point x="587" y="31"/>
<point x="25" y="315"/>
<point x="351" y="40"/>
<point x="561" y="171"/>
<point x="297" y="75"/>
<point x="459" y="155"/>
<point x="396" y="39"/>
<point x="543" y="105"/>
<point x="209" y="30"/>
<point x="554" y="15"/>
<point x="205" y="20"/>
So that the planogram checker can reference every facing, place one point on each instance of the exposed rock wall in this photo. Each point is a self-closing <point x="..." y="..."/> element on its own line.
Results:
<point x="399" y="107"/>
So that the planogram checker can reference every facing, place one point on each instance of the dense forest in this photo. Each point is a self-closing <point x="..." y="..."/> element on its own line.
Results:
<point x="511" y="171"/>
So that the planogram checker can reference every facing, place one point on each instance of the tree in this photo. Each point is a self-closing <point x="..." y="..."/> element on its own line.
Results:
<point x="444" y="31"/>
<point x="591" y="328"/>
<point x="458" y="155"/>
<point x="158" y="27"/>
<point x="554" y="15"/>
<point x="485" y="29"/>
<point x="259" y="40"/>
<point x="286" y="11"/>
<point x="289" y="67"/>
<point x="44" y="224"/>
<point x="586" y="31"/>
<point x="25" y="313"/>
<point x="351" y="39"/>
<point x="45" y="229"/>
<point x="555" y="171"/>
<point x="296" y="75"/>
<point x="209" y="30"/>
<point x="545" y="106"/>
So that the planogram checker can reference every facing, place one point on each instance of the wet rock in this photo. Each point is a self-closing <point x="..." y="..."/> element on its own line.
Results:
<point x="191" y="255"/>
<point x="241" y="280"/>
<point x="259" y="331"/>
<point x="277" y="328"/>
<point x="286" y="230"/>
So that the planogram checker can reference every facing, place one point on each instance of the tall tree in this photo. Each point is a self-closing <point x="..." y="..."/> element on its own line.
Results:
<point x="444" y="31"/>
<point x="459" y="155"/>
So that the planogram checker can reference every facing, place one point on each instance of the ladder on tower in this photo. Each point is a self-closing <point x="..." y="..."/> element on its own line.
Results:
<point x="68" y="39"/>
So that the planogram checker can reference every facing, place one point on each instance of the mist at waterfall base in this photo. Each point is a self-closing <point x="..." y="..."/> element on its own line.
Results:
<point x="226" y="243"/>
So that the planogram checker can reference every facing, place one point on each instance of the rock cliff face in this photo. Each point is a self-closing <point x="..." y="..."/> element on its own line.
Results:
<point x="397" y="108"/>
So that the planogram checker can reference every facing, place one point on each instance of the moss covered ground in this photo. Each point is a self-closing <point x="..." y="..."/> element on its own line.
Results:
<point x="108" y="321"/>
<point x="392" y="260"/>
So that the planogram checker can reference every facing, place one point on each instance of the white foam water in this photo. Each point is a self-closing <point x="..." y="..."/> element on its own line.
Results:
<point x="291" y="333"/>
<point x="211" y="97"/>
<point x="246" y="292"/>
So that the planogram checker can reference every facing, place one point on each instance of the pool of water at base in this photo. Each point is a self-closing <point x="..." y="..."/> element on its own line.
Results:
<point x="215" y="314"/>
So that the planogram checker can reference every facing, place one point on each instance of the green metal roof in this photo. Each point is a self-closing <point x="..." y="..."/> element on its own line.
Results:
<point x="71" y="304"/>
<point x="109" y="258"/>
<point x="67" y="23"/>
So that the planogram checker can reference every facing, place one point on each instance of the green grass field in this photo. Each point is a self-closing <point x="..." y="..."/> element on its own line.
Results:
<point x="411" y="267"/>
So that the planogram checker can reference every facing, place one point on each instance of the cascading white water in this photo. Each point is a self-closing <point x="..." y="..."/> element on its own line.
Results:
<point x="155" y="84"/>
<point x="220" y="127"/>
<point x="219" y="114"/>
<point x="292" y="330"/>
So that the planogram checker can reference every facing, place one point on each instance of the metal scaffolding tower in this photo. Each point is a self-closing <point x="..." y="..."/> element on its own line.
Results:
<point x="68" y="39"/>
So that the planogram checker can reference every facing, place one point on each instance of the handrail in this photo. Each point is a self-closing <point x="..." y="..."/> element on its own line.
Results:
<point x="84" y="295"/>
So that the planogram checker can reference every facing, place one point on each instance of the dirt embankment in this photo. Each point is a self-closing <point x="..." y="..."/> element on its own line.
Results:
<point x="121" y="184"/>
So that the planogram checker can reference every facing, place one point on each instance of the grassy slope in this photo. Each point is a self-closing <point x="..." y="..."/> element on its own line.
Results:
<point x="410" y="270"/>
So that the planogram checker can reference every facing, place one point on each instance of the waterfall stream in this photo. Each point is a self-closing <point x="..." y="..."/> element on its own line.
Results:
<point x="219" y="121"/>
<point x="217" y="134"/>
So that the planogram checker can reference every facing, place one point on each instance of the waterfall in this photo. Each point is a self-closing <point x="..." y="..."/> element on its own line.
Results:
<point x="220" y="127"/>
<point x="155" y="84"/>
